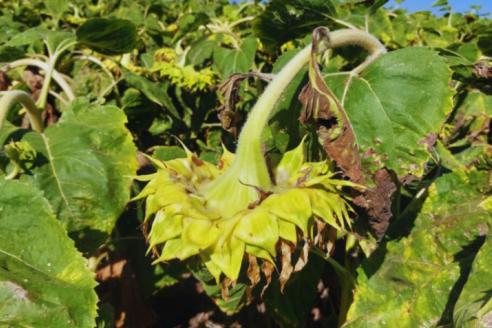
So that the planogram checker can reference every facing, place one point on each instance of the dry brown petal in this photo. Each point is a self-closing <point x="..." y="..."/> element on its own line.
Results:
<point x="303" y="258"/>
<point x="267" y="269"/>
<point x="287" y="267"/>
<point x="253" y="274"/>
<point x="225" y="288"/>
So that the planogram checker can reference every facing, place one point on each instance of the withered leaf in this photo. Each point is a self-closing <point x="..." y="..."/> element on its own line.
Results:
<point x="323" y="109"/>
<point x="228" y="115"/>
<point x="35" y="82"/>
<point x="484" y="71"/>
<point x="4" y="81"/>
<point x="377" y="202"/>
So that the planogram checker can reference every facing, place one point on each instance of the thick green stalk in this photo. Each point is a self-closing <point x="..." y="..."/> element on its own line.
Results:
<point x="9" y="98"/>
<point x="232" y="191"/>
<point x="43" y="96"/>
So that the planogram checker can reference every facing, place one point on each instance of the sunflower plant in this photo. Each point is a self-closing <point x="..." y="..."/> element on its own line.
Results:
<point x="245" y="207"/>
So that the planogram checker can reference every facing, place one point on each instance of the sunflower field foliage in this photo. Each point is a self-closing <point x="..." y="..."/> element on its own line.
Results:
<point x="203" y="163"/>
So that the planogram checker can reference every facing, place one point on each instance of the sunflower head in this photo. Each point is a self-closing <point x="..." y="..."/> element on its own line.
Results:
<point x="241" y="218"/>
<point x="243" y="206"/>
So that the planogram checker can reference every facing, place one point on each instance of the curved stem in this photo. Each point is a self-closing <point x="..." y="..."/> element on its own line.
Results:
<point x="236" y="41"/>
<point x="98" y="62"/>
<point x="343" y="23"/>
<point x="240" y="21"/>
<point x="42" y="65"/>
<point x="250" y="137"/>
<point x="57" y="96"/>
<point x="9" y="98"/>
<point x="249" y="166"/>
<point x="14" y="173"/>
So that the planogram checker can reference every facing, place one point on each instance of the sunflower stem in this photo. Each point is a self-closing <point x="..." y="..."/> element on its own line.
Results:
<point x="10" y="98"/>
<point x="249" y="166"/>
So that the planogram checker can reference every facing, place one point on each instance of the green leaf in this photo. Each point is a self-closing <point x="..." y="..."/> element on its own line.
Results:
<point x="286" y="20"/>
<point x="21" y="153"/>
<point x="29" y="36"/>
<point x="394" y="105"/>
<point x="56" y="40"/>
<point x="415" y="279"/>
<point x="105" y="316"/>
<point x="236" y="60"/>
<point x="440" y="3"/>
<point x="352" y="9"/>
<point x="474" y="306"/>
<point x="152" y="90"/>
<point x="485" y="44"/>
<point x="476" y="104"/>
<point x="108" y="36"/>
<point x="202" y="51"/>
<point x="9" y="54"/>
<point x="375" y="6"/>
<point x="57" y="7"/>
<point x="237" y="294"/>
<point x="166" y="153"/>
<point x="44" y="281"/>
<point x="188" y="23"/>
<point x="292" y="308"/>
<point x="82" y="165"/>
<point x="284" y="123"/>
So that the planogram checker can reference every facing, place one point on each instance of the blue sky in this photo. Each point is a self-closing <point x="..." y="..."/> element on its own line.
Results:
<point x="458" y="5"/>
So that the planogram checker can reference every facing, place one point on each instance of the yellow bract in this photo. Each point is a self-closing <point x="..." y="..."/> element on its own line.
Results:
<point x="303" y="193"/>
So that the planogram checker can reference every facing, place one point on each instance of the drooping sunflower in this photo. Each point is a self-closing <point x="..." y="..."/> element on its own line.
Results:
<point x="242" y="206"/>
<point x="223" y="229"/>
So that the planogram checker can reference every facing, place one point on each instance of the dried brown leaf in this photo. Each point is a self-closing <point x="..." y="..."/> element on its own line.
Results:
<point x="484" y="71"/>
<point x="228" y="115"/>
<point x="35" y="82"/>
<point x="377" y="202"/>
<point x="323" y="109"/>
<point x="430" y="140"/>
<point x="4" y="81"/>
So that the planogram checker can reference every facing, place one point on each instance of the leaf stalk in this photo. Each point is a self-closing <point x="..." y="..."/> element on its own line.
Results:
<point x="10" y="98"/>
